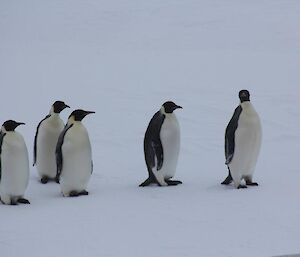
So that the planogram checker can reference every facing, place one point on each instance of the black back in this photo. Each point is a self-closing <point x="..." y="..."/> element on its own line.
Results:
<point x="58" y="151"/>
<point x="230" y="134"/>
<point x="2" y="135"/>
<point x="35" y="139"/>
<point x="152" y="144"/>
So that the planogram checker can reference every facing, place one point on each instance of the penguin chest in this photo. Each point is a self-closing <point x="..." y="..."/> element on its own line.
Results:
<point x="14" y="165"/>
<point x="77" y="157"/>
<point x="247" y="141"/>
<point x="170" y="139"/>
<point x="46" y="142"/>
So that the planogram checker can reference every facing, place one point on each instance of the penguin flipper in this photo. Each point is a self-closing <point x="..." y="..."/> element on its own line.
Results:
<point x="58" y="151"/>
<point x="35" y="139"/>
<point x="230" y="134"/>
<point x="153" y="149"/>
<point x="2" y="135"/>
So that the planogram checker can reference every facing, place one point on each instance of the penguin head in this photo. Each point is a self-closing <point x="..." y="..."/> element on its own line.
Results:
<point x="170" y="106"/>
<point x="58" y="106"/>
<point x="79" y="114"/>
<point x="244" y="95"/>
<point x="10" y="125"/>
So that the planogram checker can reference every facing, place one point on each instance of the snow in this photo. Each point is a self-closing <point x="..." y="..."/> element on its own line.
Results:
<point x="123" y="59"/>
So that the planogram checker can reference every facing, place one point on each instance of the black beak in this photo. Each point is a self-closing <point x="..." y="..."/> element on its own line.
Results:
<point x="178" y="107"/>
<point x="89" y="112"/>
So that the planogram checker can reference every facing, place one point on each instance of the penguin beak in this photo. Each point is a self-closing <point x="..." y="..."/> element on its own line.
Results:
<point x="20" y="123"/>
<point x="67" y="106"/>
<point x="178" y="107"/>
<point x="89" y="112"/>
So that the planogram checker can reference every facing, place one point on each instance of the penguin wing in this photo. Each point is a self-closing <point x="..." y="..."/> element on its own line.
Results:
<point x="230" y="134"/>
<point x="58" y="151"/>
<point x="35" y="139"/>
<point x="2" y="135"/>
<point x="153" y="149"/>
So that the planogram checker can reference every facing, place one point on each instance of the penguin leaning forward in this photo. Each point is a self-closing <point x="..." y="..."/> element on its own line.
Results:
<point x="74" y="156"/>
<point x="243" y="137"/>
<point x="45" y="140"/>
<point x="161" y="146"/>
<point x="14" y="164"/>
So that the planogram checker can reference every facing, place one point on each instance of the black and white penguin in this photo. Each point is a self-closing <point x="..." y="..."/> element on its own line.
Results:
<point x="74" y="156"/>
<point x="14" y="164"/>
<point x="242" y="143"/>
<point x="45" y="140"/>
<point x="161" y="146"/>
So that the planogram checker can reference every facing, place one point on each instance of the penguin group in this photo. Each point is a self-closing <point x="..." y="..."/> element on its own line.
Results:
<point x="63" y="152"/>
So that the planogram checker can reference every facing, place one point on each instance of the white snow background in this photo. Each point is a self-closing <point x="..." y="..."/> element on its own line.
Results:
<point x="123" y="59"/>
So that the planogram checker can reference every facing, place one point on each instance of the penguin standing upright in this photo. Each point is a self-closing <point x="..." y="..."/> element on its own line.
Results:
<point x="45" y="140"/>
<point x="161" y="146"/>
<point x="242" y="143"/>
<point x="14" y="164"/>
<point x="74" y="156"/>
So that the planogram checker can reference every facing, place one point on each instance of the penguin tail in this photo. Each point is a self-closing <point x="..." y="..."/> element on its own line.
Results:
<point x="147" y="182"/>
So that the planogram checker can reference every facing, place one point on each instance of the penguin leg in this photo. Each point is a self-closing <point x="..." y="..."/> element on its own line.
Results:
<point x="173" y="182"/>
<point x="236" y="177"/>
<point x="249" y="181"/>
<point x="23" y="200"/>
<point x="13" y="200"/>
<point x="160" y="178"/>
<point x="44" y="180"/>
<point x="227" y="180"/>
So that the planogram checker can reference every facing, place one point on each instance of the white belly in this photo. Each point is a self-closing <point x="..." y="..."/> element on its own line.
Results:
<point x="49" y="132"/>
<point x="77" y="160"/>
<point x="170" y="139"/>
<point x="14" y="166"/>
<point x="247" y="143"/>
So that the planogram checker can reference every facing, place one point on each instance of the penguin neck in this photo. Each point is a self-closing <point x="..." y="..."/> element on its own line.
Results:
<point x="3" y="130"/>
<point x="52" y="113"/>
<point x="246" y="104"/>
<point x="72" y="120"/>
<point x="248" y="107"/>
<point x="163" y="112"/>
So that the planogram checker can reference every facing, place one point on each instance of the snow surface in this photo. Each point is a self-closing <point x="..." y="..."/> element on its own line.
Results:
<point x="123" y="59"/>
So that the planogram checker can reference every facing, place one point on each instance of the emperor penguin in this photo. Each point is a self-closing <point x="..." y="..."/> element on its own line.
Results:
<point x="46" y="136"/>
<point x="243" y="137"/>
<point x="14" y="164"/>
<point x="161" y="146"/>
<point x="74" y="156"/>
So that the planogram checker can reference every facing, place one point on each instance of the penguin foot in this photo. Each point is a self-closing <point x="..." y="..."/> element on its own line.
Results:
<point x="251" y="183"/>
<point x="44" y="180"/>
<point x="23" y="200"/>
<point x="173" y="182"/>
<point x="83" y="192"/>
<point x="241" y="186"/>
<point x="73" y="194"/>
